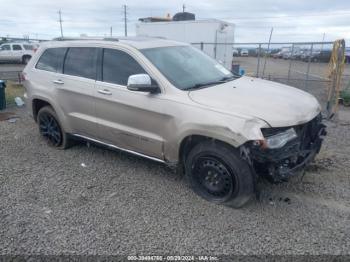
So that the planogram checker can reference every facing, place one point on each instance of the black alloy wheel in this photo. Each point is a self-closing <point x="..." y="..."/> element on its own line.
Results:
<point x="50" y="129"/>
<point x="213" y="178"/>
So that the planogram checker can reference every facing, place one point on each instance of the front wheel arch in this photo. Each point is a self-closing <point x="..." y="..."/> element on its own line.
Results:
<point x="37" y="104"/>
<point x="190" y="141"/>
<point x="65" y="139"/>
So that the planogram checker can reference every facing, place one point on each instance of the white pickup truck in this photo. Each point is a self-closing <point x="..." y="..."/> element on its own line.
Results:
<point x="17" y="52"/>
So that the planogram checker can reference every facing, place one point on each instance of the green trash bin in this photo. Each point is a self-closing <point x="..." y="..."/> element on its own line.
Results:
<point x="345" y="95"/>
<point x="2" y="95"/>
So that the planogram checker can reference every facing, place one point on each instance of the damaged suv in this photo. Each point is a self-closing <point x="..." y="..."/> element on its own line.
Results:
<point x="171" y="103"/>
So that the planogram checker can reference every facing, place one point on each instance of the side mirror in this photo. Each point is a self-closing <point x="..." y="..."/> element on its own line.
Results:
<point x="141" y="83"/>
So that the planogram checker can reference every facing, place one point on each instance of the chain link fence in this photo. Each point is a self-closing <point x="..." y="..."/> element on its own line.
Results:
<point x="303" y="65"/>
<point x="14" y="75"/>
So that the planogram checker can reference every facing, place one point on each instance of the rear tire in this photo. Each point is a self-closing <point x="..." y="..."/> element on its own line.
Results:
<point x="51" y="130"/>
<point x="217" y="173"/>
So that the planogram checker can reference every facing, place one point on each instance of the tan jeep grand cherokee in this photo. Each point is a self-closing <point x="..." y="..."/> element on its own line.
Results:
<point x="170" y="102"/>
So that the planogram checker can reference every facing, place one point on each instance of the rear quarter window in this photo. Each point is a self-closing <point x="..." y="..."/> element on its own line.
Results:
<point x="52" y="60"/>
<point x="28" y="47"/>
<point x="16" y="47"/>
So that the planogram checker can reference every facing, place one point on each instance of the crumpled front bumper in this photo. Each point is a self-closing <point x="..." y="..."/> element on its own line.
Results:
<point x="279" y="164"/>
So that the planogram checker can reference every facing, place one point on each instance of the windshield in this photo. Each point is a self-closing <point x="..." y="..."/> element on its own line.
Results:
<point x="187" y="67"/>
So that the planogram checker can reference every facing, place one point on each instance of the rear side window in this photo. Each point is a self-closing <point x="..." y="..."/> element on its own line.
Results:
<point x="28" y="47"/>
<point x="16" y="47"/>
<point x="52" y="60"/>
<point x="118" y="66"/>
<point x="81" y="61"/>
<point x="5" y="47"/>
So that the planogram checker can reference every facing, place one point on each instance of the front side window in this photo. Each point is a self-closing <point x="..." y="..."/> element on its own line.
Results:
<point x="5" y="47"/>
<point x="52" y="60"/>
<point x="118" y="66"/>
<point x="81" y="61"/>
<point x="16" y="47"/>
<point x="187" y="67"/>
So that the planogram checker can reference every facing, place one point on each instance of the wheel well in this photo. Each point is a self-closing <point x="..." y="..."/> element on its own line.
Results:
<point x="37" y="105"/>
<point x="191" y="141"/>
<point x="25" y="56"/>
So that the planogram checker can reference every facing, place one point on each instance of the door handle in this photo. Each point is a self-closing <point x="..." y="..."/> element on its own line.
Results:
<point x="58" y="82"/>
<point x="105" y="92"/>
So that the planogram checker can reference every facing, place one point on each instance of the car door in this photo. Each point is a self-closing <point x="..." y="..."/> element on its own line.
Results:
<point x="5" y="52"/>
<point x="128" y="119"/>
<point x="76" y="89"/>
<point x="17" y="52"/>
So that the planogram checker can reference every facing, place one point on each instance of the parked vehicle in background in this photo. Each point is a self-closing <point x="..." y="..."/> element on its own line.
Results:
<point x="286" y="55"/>
<point x="322" y="56"/>
<point x="235" y="52"/>
<point x="302" y="54"/>
<point x="244" y="52"/>
<point x="295" y="53"/>
<point x="291" y="55"/>
<point x="278" y="55"/>
<point x="307" y="54"/>
<point x="317" y="56"/>
<point x="149" y="97"/>
<point x="271" y="53"/>
<point x="17" y="52"/>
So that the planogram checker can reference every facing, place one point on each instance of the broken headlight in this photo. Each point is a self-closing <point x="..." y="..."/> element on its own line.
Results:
<point x="280" y="139"/>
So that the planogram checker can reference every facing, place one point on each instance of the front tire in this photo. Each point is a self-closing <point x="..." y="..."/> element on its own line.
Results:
<point x="51" y="130"/>
<point x="217" y="173"/>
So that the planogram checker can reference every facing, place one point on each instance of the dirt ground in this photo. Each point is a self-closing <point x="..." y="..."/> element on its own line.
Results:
<point x="90" y="200"/>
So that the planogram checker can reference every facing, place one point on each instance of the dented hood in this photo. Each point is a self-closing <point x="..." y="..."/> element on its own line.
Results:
<point x="277" y="104"/>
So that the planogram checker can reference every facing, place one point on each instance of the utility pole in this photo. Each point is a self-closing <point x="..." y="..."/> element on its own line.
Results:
<point x="125" y="22"/>
<point x="111" y="31"/>
<point x="324" y="35"/>
<point x="60" y="20"/>
<point x="183" y="8"/>
<point x="268" y="49"/>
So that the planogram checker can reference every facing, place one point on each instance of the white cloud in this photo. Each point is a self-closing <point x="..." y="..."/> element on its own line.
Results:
<point x="296" y="20"/>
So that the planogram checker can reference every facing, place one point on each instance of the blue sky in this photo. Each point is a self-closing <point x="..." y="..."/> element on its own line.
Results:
<point x="296" y="20"/>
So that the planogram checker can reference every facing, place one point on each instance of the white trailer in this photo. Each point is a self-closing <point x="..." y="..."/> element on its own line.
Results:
<point x="217" y="36"/>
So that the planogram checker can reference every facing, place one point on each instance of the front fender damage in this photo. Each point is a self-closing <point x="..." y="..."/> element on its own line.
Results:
<point x="278" y="165"/>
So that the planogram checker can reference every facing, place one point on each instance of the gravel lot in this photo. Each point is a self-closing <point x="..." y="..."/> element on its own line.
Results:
<point x="90" y="200"/>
